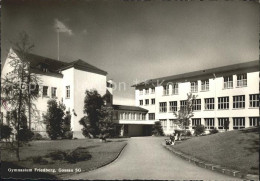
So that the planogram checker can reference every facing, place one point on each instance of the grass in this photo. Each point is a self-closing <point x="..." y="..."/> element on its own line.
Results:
<point x="101" y="154"/>
<point x="238" y="149"/>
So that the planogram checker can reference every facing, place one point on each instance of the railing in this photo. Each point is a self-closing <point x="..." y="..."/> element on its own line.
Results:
<point x="241" y="83"/>
<point x="228" y="85"/>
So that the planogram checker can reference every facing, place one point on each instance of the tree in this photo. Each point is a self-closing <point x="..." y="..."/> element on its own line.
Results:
<point x="54" y="119"/>
<point x="16" y="87"/>
<point x="93" y="103"/>
<point x="199" y="129"/>
<point x="186" y="112"/>
<point x="157" y="129"/>
<point x="6" y="131"/>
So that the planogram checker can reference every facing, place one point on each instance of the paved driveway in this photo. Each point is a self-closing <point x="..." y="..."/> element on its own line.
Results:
<point x="146" y="158"/>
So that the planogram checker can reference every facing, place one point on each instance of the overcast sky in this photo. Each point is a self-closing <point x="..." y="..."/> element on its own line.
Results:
<point x="137" y="40"/>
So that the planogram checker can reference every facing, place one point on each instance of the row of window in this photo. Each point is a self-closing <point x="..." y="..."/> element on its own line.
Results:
<point x="45" y="91"/>
<point x="227" y="84"/>
<point x="209" y="103"/>
<point x="238" y="122"/>
<point x="147" y="101"/>
<point x="132" y="116"/>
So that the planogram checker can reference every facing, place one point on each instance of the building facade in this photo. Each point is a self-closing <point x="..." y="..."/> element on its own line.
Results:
<point x="229" y="93"/>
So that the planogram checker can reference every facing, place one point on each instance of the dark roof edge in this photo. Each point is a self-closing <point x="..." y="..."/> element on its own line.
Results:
<point x="83" y="68"/>
<point x="129" y="108"/>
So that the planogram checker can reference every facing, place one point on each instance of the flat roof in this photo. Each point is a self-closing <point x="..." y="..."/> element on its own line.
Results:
<point x="129" y="108"/>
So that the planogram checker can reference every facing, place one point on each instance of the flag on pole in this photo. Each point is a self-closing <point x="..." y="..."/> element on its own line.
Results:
<point x="61" y="27"/>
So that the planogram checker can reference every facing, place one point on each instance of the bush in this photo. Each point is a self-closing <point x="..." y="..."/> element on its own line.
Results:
<point x="187" y="133"/>
<point x="25" y="135"/>
<point x="68" y="135"/>
<point x="37" y="136"/>
<point x="157" y="129"/>
<point x="199" y="129"/>
<point x="57" y="155"/>
<point x="213" y="131"/>
<point x="39" y="160"/>
<point x="79" y="154"/>
<point x="6" y="131"/>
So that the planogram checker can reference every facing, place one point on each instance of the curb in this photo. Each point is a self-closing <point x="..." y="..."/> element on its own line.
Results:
<point x="209" y="166"/>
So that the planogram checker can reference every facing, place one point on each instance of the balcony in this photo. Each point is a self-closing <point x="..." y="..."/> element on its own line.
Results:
<point x="242" y="83"/>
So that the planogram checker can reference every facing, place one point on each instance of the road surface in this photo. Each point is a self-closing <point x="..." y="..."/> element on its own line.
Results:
<point x="146" y="158"/>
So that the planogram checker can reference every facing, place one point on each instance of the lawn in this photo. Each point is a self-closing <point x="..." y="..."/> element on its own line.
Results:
<point x="101" y="154"/>
<point x="238" y="149"/>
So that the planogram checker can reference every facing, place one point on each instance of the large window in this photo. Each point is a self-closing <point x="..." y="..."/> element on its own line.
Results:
<point x="242" y="80"/>
<point x="175" y="88"/>
<point x="67" y="92"/>
<point x="163" y="107"/>
<point x="194" y="86"/>
<point x="53" y="92"/>
<point x="121" y="116"/>
<point x="173" y="106"/>
<point x="143" y="116"/>
<point x="173" y="124"/>
<point x="223" y="103"/>
<point x="209" y="103"/>
<point x="197" y="104"/>
<point x="138" y="116"/>
<point x="166" y="89"/>
<point x="147" y="91"/>
<point x="153" y="101"/>
<point x="45" y="90"/>
<point x="222" y="122"/>
<point x="146" y="101"/>
<point x="209" y="123"/>
<point x="254" y="121"/>
<point x="205" y="85"/>
<point x="238" y="123"/>
<point x="151" y="116"/>
<point x="195" y="122"/>
<point x="183" y="104"/>
<point x="127" y="115"/>
<point x="141" y="102"/>
<point x="228" y="82"/>
<point x="133" y="116"/>
<point x="164" y="123"/>
<point x="239" y="101"/>
<point x="254" y="100"/>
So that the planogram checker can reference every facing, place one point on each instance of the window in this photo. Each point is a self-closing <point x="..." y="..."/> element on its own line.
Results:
<point x="121" y="116"/>
<point x="127" y="115"/>
<point x="132" y="116"/>
<point x="164" y="123"/>
<point x="183" y="104"/>
<point x="166" y="89"/>
<point x="173" y="124"/>
<point x="153" y="101"/>
<point x="209" y="103"/>
<point x="239" y="101"/>
<point x="222" y="122"/>
<point x="45" y="91"/>
<point x="141" y="102"/>
<point x="163" y="107"/>
<point x="209" y="123"/>
<point x="196" y="104"/>
<point x="152" y="90"/>
<point x="140" y="92"/>
<point x="194" y="86"/>
<point x="228" y="82"/>
<point x="254" y="100"/>
<point x="238" y="123"/>
<point x="67" y="92"/>
<point x="241" y="80"/>
<point x="223" y="103"/>
<point x="34" y="89"/>
<point x="151" y="116"/>
<point x="137" y="116"/>
<point x="195" y="122"/>
<point x="53" y="92"/>
<point x="173" y="106"/>
<point x="254" y="121"/>
<point x="175" y="89"/>
<point x="146" y="101"/>
<point x="205" y="85"/>
<point x="143" y="116"/>
<point x="147" y="91"/>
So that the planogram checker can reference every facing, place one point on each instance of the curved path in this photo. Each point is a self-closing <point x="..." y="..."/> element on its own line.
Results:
<point x="146" y="158"/>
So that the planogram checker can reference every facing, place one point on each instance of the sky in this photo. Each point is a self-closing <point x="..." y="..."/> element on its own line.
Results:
<point x="137" y="40"/>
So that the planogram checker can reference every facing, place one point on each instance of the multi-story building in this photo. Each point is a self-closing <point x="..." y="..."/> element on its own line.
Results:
<point x="229" y="93"/>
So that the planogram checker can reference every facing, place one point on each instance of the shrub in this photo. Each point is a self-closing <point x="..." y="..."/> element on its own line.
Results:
<point x="57" y="155"/>
<point x="39" y="160"/>
<point x="68" y="135"/>
<point x="6" y="131"/>
<point x="199" y="129"/>
<point x="37" y="136"/>
<point x="157" y="129"/>
<point x="79" y="154"/>
<point x="25" y="135"/>
<point x="187" y="133"/>
<point x="213" y="131"/>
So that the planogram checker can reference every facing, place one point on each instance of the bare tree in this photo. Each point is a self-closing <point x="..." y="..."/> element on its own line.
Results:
<point x="17" y="86"/>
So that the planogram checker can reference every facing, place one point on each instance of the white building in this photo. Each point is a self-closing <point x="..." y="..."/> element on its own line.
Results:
<point x="66" y="82"/>
<point x="224" y="93"/>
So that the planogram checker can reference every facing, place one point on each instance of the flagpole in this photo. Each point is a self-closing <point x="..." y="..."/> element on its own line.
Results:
<point x="58" y="39"/>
